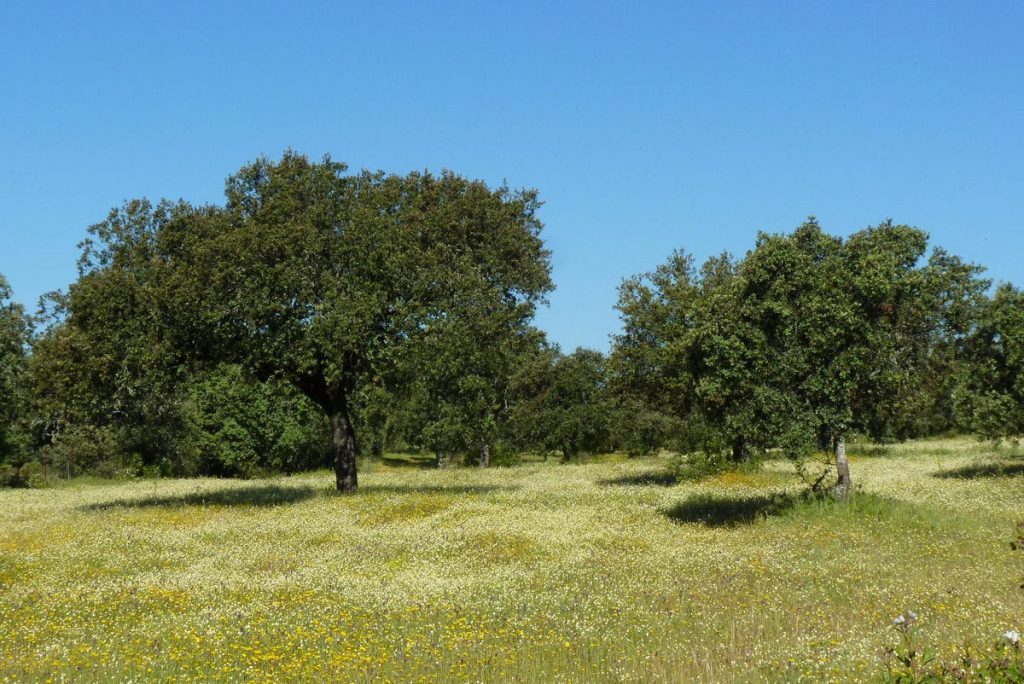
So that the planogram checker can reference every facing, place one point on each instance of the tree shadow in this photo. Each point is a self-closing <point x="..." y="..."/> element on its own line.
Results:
<point x="435" y="489"/>
<point x="410" y="461"/>
<point x="982" y="470"/>
<point x="869" y="450"/>
<point x="652" y="478"/>
<point x="261" y="496"/>
<point x="715" y="510"/>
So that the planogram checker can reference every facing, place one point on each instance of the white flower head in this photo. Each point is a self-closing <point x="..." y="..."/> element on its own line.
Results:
<point x="911" y="615"/>
<point x="899" y="620"/>
<point x="1013" y="636"/>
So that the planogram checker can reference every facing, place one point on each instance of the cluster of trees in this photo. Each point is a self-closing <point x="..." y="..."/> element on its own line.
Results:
<point x="320" y="314"/>
<point x="810" y="337"/>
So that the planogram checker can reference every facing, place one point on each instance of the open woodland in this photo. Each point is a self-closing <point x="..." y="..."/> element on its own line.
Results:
<point x="314" y="434"/>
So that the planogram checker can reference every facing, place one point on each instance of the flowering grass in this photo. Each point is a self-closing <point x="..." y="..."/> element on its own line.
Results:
<point x="545" y="572"/>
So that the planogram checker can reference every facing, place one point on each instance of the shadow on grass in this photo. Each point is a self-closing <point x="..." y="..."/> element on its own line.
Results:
<point x="982" y="470"/>
<point x="260" y="495"/>
<point x="715" y="510"/>
<point x="409" y="461"/>
<point x="435" y="489"/>
<point x="653" y="478"/>
<point x="870" y="450"/>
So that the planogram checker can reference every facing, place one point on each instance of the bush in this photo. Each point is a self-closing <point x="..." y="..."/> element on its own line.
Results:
<point x="120" y="466"/>
<point x="31" y="475"/>
<point x="8" y="475"/>
<point x="85" y="449"/>
<point x="504" y="454"/>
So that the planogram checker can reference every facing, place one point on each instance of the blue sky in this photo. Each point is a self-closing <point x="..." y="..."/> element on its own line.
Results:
<point x="646" y="126"/>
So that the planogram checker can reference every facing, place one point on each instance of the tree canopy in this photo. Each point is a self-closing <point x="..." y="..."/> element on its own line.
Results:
<point x="14" y="338"/>
<point x="799" y="342"/>
<point x="319" y="314"/>
<point x="330" y="281"/>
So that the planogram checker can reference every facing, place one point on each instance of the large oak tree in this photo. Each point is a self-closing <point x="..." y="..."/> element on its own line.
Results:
<point x="331" y="280"/>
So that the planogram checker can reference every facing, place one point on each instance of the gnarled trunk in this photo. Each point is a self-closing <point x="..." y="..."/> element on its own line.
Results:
<point x="343" y="449"/>
<point x="843" y="483"/>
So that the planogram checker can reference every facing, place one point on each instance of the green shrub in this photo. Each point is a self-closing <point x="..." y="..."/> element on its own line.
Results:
<point x="8" y="475"/>
<point x="85" y="449"/>
<point x="504" y="454"/>
<point x="32" y="474"/>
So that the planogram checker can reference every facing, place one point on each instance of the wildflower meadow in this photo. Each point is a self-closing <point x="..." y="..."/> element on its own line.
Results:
<point x="602" y="571"/>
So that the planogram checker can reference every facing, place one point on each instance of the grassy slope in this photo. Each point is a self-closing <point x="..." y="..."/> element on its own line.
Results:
<point x="543" y="572"/>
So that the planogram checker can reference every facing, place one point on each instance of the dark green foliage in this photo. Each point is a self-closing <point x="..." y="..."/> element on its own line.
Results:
<point x="991" y="394"/>
<point x="105" y="364"/>
<point x="32" y="474"/>
<point x="8" y="475"/>
<point x="561" y="403"/>
<point x="319" y="305"/>
<point x="244" y="427"/>
<point x="14" y="338"/>
<point x="806" y="338"/>
<point x="113" y="397"/>
<point x="640" y="430"/>
<point x="334" y="282"/>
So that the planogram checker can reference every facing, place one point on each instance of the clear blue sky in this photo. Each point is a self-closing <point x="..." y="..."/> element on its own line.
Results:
<point x="646" y="126"/>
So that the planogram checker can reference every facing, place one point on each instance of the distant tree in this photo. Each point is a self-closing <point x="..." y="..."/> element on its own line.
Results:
<point x="682" y="360"/>
<point x="561" y="402"/>
<point x="458" y="381"/>
<point x="14" y="333"/>
<point x="105" y="361"/>
<point x="991" y="391"/>
<point x="331" y="281"/>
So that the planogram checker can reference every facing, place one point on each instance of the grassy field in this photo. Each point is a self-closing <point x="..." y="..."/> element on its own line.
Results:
<point x="547" y="572"/>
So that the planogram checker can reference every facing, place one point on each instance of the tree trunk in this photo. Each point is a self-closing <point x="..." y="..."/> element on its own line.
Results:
<point x="343" y="449"/>
<point x="843" y="484"/>
<point x="485" y="455"/>
<point x="740" y="453"/>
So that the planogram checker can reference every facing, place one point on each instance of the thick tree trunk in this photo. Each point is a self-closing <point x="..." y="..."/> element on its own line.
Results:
<point x="343" y="449"/>
<point x="843" y="483"/>
<point x="485" y="455"/>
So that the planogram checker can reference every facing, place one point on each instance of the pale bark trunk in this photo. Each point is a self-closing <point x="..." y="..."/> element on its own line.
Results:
<point x="343" y="449"/>
<point x="843" y="483"/>
<point x="485" y="455"/>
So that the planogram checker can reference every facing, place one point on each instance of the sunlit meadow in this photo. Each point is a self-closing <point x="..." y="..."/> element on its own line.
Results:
<point x="604" y="571"/>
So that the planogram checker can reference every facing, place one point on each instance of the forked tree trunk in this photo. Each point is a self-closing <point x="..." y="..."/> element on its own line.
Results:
<point x="843" y="483"/>
<point x="485" y="455"/>
<point x="343" y="450"/>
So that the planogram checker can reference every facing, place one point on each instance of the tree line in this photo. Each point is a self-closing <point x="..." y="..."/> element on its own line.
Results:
<point x="319" y="315"/>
